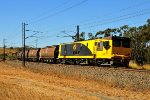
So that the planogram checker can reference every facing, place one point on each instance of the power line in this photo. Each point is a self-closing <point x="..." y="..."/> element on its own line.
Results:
<point x="133" y="13"/>
<point x="107" y="21"/>
<point x="61" y="11"/>
<point x="139" y="4"/>
<point x="118" y="20"/>
<point x="121" y="10"/>
<point x="48" y="36"/>
<point x="131" y="24"/>
<point x="55" y="8"/>
<point x="53" y="39"/>
<point x="112" y="19"/>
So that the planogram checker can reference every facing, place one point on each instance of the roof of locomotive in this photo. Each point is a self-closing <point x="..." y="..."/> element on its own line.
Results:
<point x="116" y="37"/>
<point x="105" y="38"/>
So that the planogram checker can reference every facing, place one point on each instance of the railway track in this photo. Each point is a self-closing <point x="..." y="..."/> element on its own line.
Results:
<point x="121" y="68"/>
<point x="109" y="67"/>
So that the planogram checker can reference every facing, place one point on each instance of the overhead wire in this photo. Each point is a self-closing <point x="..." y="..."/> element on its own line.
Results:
<point x="121" y="10"/>
<point x="120" y="19"/>
<point x="123" y="17"/>
<point x="50" y="10"/>
<point x="61" y="11"/>
<point x="139" y="4"/>
<point x="117" y="26"/>
<point x="109" y="19"/>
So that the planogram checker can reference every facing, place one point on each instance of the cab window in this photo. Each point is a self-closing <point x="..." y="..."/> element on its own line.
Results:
<point x="126" y="43"/>
<point x="117" y="43"/>
<point x="100" y="46"/>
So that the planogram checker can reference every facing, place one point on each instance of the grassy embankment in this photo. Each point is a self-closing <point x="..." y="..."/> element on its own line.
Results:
<point x="132" y="64"/>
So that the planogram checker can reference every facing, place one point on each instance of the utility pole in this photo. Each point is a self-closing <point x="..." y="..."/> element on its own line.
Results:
<point x="24" y="43"/>
<point x="24" y="48"/>
<point x="77" y="35"/>
<point x="4" y="57"/>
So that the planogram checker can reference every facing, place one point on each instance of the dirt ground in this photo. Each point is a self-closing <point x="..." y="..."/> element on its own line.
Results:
<point x="22" y="84"/>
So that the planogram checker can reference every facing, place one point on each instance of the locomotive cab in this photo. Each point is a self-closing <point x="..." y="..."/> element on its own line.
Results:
<point x="103" y="49"/>
<point x="121" y="50"/>
<point x="112" y="51"/>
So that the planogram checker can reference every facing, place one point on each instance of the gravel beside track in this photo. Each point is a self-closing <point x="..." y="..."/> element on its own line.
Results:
<point x="135" y="80"/>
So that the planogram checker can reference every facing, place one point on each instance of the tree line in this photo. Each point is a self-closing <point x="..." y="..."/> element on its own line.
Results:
<point x="140" y="40"/>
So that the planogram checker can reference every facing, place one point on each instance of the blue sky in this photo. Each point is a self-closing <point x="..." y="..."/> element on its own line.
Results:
<point x="51" y="17"/>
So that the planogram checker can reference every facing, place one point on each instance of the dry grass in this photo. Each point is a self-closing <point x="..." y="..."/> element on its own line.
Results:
<point x="132" y="64"/>
<point x="23" y="84"/>
<point x="8" y="51"/>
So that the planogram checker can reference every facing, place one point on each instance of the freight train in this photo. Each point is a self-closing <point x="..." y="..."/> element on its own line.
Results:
<point x="112" y="51"/>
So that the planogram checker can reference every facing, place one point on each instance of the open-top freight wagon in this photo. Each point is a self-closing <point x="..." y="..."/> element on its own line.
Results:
<point x="49" y="54"/>
<point x="33" y="54"/>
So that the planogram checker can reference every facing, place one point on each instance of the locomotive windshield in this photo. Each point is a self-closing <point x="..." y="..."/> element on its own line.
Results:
<point x="121" y="42"/>
<point x="126" y="43"/>
<point x="117" y="43"/>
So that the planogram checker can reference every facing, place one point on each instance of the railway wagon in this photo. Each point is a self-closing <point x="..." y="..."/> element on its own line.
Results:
<point x="49" y="54"/>
<point x="19" y="55"/>
<point x="33" y="54"/>
<point x="104" y="51"/>
<point x="26" y="55"/>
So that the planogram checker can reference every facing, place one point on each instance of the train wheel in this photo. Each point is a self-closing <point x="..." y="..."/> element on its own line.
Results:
<point x="77" y="62"/>
<point x="98" y="63"/>
<point x="126" y="63"/>
<point x="91" y="62"/>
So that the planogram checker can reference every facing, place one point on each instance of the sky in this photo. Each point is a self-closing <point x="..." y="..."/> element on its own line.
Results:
<point x="50" y="20"/>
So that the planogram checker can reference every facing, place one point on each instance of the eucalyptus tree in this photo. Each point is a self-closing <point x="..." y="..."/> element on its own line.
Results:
<point x="99" y="33"/>
<point x="107" y="32"/>
<point x="123" y="30"/>
<point x="91" y="36"/>
<point x="82" y="36"/>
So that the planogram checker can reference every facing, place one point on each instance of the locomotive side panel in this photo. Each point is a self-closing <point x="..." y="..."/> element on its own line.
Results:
<point x="83" y="49"/>
<point x="79" y="50"/>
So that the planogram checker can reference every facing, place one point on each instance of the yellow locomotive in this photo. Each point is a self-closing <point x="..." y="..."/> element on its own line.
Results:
<point x="103" y="51"/>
